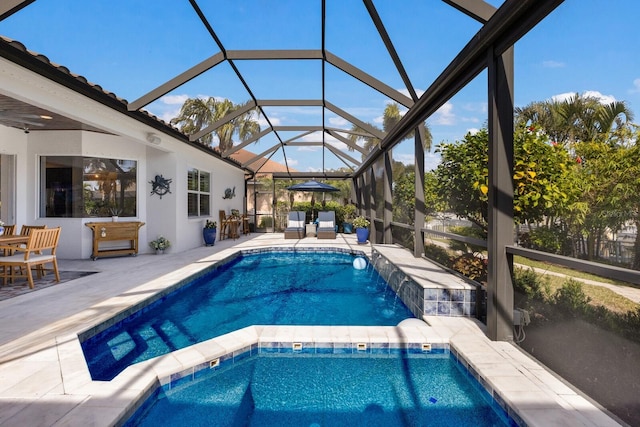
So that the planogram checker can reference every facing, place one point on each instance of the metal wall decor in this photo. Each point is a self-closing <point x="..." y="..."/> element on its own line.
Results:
<point x="229" y="193"/>
<point x="160" y="186"/>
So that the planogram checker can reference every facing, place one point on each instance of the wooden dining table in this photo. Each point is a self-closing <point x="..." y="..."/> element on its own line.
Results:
<point x="8" y="244"/>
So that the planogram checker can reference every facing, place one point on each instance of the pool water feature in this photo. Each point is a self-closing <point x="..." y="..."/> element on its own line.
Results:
<point x="268" y="390"/>
<point x="267" y="288"/>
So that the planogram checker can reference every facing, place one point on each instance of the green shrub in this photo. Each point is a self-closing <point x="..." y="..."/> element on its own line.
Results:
<point x="348" y="212"/>
<point x="552" y="240"/>
<point x="532" y="285"/>
<point x="266" y="221"/>
<point x="472" y="266"/>
<point x="474" y="232"/>
<point x="571" y="297"/>
<point x="438" y="254"/>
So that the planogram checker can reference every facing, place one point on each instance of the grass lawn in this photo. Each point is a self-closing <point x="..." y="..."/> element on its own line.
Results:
<point x="569" y="272"/>
<point x="599" y="296"/>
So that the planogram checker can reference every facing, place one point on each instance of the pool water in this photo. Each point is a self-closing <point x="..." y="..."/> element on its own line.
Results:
<point x="325" y="391"/>
<point x="271" y="288"/>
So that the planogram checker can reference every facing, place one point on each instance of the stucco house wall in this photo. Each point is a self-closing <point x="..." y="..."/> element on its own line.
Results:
<point x="124" y="138"/>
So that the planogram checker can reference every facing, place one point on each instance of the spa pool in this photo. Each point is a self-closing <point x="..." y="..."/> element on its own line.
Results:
<point x="397" y="389"/>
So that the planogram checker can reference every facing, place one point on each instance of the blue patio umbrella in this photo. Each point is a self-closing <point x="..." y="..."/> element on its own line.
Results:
<point x="313" y="186"/>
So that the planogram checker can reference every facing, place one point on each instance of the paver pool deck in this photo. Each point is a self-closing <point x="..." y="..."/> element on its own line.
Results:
<point x="44" y="380"/>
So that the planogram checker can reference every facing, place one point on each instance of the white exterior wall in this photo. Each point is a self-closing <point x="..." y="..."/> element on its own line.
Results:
<point x="13" y="142"/>
<point x="170" y="158"/>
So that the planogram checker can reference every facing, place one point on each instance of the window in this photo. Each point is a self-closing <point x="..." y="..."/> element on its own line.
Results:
<point x="81" y="187"/>
<point x="198" y="189"/>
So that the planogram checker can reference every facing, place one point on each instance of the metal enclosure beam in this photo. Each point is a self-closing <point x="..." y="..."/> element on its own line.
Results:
<point x="373" y="236"/>
<point x="387" y="213"/>
<point x="501" y="225"/>
<point x="477" y="9"/>
<point x="180" y="79"/>
<point x="360" y="193"/>
<point x="9" y="7"/>
<point x="370" y="81"/>
<point x="226" y="119"/>
<point x="362" y="125"/>
<point x="420" y="208"/>
<point x="514" y="19"/>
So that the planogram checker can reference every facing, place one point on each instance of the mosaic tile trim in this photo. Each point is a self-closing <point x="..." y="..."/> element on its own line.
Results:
<point x="425" y="301"/>
<point x="306" y="348"/>
<point x="292" y="250"/>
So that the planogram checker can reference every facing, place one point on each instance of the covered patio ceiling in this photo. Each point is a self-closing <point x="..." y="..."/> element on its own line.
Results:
<point x="318" y="74"/>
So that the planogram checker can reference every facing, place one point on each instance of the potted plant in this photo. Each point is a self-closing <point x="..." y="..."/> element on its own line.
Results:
<point x="160" y="244"/>
<point x="115" y="213"/>
<point x="209" y="232"/>
<point x="349" y="212"/>
<point x="362" y="229"/>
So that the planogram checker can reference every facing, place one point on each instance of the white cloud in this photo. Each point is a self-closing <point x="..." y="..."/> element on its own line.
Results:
<point x="553" y="64"/>
<point x="473" y="131"/>
<point x="636" y="86"/>
<point x="275" y="121"/>
<point x="338" y="121"/>
<point x="604" y="99"/>
<point x="312" y="169"/>
<point x="444" y="116"/>
<point x="475" y="107"/>
<point x="405" y="159"/>
<point x="174" y="99"/>
<point x="292" y="162"/>
<point x="308" y="148"/>
<point x="431" y="161"/>
<point x="168" y="115"/>
<point x="405" y="92"/>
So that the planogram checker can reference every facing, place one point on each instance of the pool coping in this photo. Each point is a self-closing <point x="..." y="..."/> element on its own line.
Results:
<point x="539" y="398"/>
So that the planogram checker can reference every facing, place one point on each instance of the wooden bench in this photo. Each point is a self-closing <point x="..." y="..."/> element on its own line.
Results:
<point x="114" y="232"/>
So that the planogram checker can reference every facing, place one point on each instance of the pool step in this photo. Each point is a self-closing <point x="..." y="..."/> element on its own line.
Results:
<point x="172" y="335"/>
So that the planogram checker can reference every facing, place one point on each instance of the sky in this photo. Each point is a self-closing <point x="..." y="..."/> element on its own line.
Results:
<point x="129" y="47"/>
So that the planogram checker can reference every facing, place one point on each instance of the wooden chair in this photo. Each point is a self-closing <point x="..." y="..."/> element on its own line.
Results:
<point x="33" y="255"/>
<point x="9" y="230"/>
<point x="225" y="225"/>
<point x="26" y="229"/>
<point x="245" y="224"/>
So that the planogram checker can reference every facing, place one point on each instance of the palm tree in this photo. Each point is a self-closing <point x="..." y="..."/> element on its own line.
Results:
<point x="198" y="113"/>
<point x="390" y="118"/>
<point x="577" y="119"/>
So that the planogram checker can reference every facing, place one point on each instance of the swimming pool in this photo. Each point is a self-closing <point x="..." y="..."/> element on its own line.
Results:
<point x="394" y="390"/>
<point x="265" y="288"/>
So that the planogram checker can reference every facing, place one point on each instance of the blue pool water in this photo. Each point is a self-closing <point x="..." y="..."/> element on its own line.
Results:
<point x="271" y="288"/>
<point x="326" y="391"/>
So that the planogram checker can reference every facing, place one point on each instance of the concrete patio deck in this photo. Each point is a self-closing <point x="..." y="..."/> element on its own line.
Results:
<point x="45" y="382"/>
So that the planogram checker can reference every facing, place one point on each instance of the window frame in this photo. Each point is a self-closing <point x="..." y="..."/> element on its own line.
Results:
<point x="73" y="205"/>
<point x="199" y="193"/>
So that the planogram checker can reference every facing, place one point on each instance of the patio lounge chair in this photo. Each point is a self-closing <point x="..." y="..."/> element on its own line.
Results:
<point x="295" y="225"/>
<point x="326" y="225"/>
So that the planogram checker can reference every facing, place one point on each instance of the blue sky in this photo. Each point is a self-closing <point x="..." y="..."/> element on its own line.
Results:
<point x="131" y="46"/>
